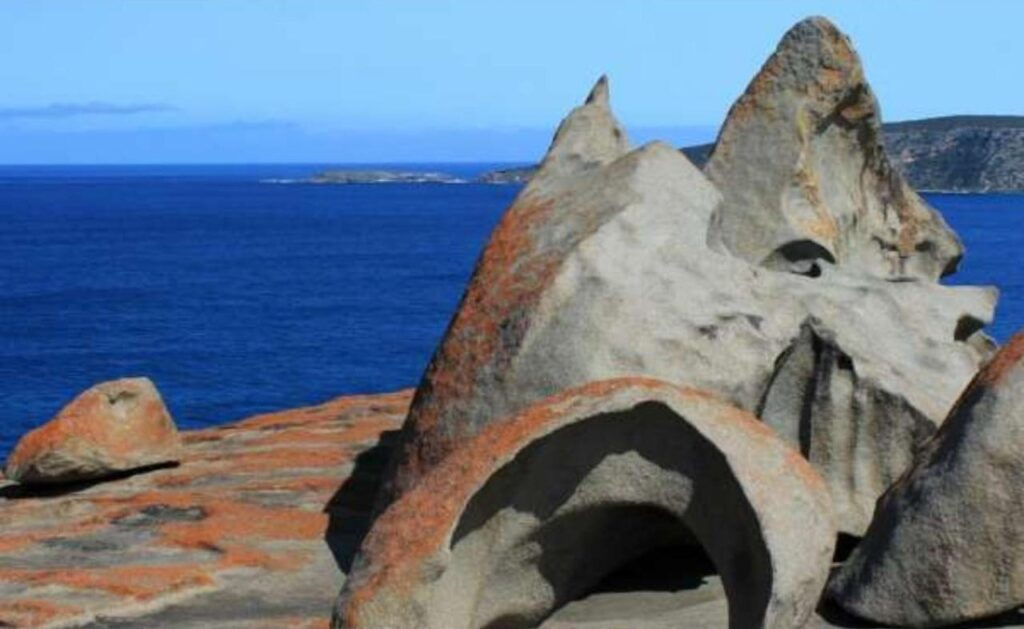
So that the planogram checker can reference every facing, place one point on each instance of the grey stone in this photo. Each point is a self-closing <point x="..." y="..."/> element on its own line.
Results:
<point x="860" y="436"/>
<point x="946" y="545"/>
<point x="616" y="263"/>
<point x="801" y="163"/>
<point x="602" y="269"/>
<point x="538" y="508"/>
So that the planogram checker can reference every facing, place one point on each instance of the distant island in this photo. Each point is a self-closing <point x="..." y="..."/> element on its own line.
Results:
<point x="342" y="176"/>
<point x="950" y="154"/>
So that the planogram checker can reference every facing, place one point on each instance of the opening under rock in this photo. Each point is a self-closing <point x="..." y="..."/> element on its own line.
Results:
<point x="803" y="257"/>
<point x="665" y="569"/>
<point x="665" y="582"/>
<point x="611" y="505"/>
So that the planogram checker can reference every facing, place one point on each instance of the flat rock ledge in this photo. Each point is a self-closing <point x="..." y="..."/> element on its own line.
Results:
<point x="248" y="531"/>
<point x="255" y="529"/>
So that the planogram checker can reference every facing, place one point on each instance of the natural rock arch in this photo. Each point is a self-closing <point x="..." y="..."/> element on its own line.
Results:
<point x="542" y="506"/>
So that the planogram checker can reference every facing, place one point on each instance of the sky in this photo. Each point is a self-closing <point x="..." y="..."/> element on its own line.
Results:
<point x="184" y="81"/>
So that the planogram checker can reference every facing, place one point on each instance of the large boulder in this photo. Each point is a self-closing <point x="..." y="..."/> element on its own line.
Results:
<point x="601" y="268"/>
<point x="946" y="543"/>
<point x="111" y="427"/>
<point x="804" y="174"/>
<point x="858" y="434"/>
<point x="535" y="509"/>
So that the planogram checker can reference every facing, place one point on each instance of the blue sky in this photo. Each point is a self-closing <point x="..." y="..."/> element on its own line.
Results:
<point x="361" y="81"/>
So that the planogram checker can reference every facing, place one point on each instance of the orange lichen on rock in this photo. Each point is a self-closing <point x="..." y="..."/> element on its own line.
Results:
<point x="33" y="612"/>
<point x="111" y="427"/>
<point x="250" y="497"/>
<point x="397" y="544"/>
<point x="1001" y="364"/>
<point x="137" y="583"/>
<point x="409" y="535"/>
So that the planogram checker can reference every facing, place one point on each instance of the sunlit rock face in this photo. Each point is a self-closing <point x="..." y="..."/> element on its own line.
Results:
<point x="794" y="279"/>
<point x="602" y="268"/>
<point x="537" y="508"/>
<point x="804" y="174"/>
<point x="945" y="546"/>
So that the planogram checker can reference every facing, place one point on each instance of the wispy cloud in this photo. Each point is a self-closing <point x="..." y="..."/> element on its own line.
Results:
<point x="72" y="110"/>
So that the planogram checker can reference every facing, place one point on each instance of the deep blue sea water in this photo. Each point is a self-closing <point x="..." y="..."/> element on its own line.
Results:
<point x="240" y="296"/>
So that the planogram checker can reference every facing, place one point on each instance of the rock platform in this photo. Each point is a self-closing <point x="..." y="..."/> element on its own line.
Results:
<point x="248" y="531"/>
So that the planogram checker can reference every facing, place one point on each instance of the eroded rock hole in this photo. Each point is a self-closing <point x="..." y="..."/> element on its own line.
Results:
<point x="801" y="257"/>
<point x="845" y="545"/>
<point x="967" y="326"/>
<point x="609" y="507"/>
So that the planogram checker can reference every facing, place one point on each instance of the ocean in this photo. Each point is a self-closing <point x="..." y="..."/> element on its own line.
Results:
<point x="238" y="293"/>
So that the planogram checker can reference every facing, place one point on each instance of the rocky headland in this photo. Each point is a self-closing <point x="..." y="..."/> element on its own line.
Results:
<point x="734" y="395"/>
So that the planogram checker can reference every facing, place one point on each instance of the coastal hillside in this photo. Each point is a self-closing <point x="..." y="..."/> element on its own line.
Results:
<point x="960" y="153"/>
<point x="953" y="153"/>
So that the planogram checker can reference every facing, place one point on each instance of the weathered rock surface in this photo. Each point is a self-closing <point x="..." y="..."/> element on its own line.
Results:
<point x="601" y="268"/>
<point x="247" y="533"/>
<point x="859" y="435"/>
<point x="112" y="427"/>
<point x="804" y="173"/>
<point x="235" y="537"/>
<point x="536" y="509"/>
<point x="946" y="544"/>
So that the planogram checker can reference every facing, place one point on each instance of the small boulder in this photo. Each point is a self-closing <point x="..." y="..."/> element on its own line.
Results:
<point x="538" y="508"/>
<point x="112" y="427"/>
<point x="946" y="545"/>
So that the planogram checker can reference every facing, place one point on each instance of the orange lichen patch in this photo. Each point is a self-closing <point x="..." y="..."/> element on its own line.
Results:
<point x="229" y="521"/>
<point x="208" y="510"/>
<point x="507" y="277"/>
<point x="358" y="432"/>
<point x="33" y="612"/>
<point x="139" y="583"/>
<point x="491" y="320"/>
<point x="317" y="485"/>
<point x="239" y="556"/>
<point x="262" y="461"/>
<point x="1002" y="363"/>
<point x="20" y="537"/>
<point x="396" y="402"/>
<point x="420" y="521"/>
<point x="89" y="424"/>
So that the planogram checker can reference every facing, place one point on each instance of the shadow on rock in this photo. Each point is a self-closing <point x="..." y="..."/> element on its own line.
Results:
<point x="836" y="617"/>
<point x="56" y="490"/>
<point x="350" y="508"/>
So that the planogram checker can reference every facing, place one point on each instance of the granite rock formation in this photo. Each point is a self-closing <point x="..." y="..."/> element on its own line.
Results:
<point x="861" y="436"/>
<point x="234" y="538"/>
<point x="601" y="268"/>
<point x="804" y="174"/>
<point x="537" y="508"/>
<point x="946" y="545"/>
<point x="112" y="427"/>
